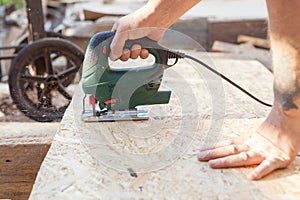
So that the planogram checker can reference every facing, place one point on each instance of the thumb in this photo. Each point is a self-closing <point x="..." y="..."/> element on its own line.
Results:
<point x="117" y="44"/>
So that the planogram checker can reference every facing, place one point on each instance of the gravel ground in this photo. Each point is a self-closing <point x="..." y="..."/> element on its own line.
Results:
<point x="8" y="110"/>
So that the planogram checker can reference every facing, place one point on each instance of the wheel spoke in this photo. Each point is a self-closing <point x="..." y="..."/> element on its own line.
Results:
<point x="62" y="91"/>
<point x="48" y="62"/>
<point x="57" y="55"/>
<point x="68" y="72"/>
<point x="41" y="97"/>
<point x="45" y="98"/>
<point x="32" y="79"/>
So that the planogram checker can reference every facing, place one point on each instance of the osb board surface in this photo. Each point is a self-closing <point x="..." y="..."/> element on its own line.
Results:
<point x="78" y="166"/>
<point x="69" y="172"/>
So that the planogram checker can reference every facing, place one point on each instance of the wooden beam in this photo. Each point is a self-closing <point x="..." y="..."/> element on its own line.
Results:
<point x="23" y="147"/>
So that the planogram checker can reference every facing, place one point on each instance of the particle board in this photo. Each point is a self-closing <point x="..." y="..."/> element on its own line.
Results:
<point x="131" y="159"/>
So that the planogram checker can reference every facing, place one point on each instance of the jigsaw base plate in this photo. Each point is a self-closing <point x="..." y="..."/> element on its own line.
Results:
<point x="111" y="116"/>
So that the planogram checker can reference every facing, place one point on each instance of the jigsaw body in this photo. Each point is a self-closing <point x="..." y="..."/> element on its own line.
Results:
<point x="117" y="92"/>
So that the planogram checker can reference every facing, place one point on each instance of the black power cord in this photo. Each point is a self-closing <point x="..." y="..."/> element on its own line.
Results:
<point x="182" y="55"/>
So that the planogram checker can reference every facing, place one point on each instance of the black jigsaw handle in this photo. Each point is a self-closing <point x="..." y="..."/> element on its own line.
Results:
<point x="160" y="53"/>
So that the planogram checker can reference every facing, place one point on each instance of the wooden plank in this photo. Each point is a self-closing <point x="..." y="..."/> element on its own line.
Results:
<point x="194" y="28"/>
<point x="244" y="51"/>
<point x="258" y="42"/>
<point x="228" y="31"/>
<point x="82" y="161"/>
<point x="95" y="10"/>
<point x="23" y="147"/>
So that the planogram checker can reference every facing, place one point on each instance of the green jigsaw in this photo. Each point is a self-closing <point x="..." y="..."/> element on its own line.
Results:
<point x="115" y="93"/>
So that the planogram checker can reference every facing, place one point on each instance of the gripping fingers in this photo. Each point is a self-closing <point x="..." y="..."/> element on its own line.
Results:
<point x="125" y="55"/>
<point x="135" y="51"/>
<point x="144" y="53"/>
<point x="117" y="50"/>
<point x="238" y="160"/>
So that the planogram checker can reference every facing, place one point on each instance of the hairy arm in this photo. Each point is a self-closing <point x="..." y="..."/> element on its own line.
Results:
<point x="149" y="21"/>
<point x="163" y="13"/>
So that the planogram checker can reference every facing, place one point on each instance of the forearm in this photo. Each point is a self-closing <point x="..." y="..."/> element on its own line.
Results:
<point x="163" y="13"/>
